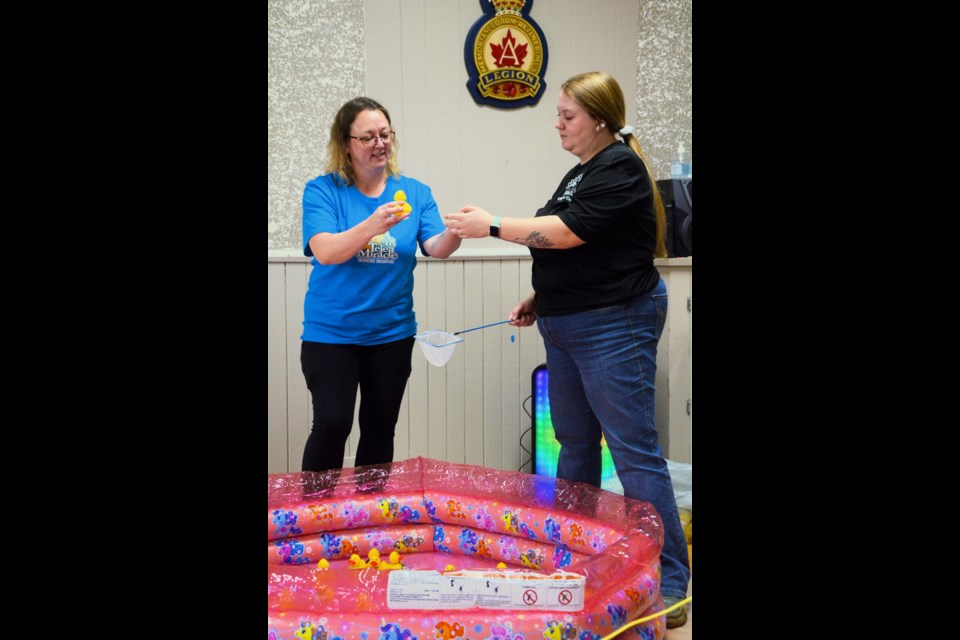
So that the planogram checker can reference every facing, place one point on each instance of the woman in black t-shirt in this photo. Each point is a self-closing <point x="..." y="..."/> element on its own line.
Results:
<point x="600" y="305"/>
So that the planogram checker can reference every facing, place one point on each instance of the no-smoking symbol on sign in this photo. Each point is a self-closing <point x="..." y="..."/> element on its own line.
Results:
<point x="565" y="597"/>
<point x="529" y="596"/>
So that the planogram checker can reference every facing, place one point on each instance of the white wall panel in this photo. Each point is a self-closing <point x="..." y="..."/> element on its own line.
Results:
<point x="475" y="409"/>
<point x="472" y="352"/>
<point x="383" y="42"/>
<point x="455" y="296"/>
<point x="298" y="405"/>
<point x="442" y="62"/>
<point x="277" y="368"/>
<point x="418" y="387"/>
<point x="416" y="61"/>
<point x="510" y="387"/>
<point x="436" y="376"/>
<point x="675" y="368"/>
<point x="625" y="49"/>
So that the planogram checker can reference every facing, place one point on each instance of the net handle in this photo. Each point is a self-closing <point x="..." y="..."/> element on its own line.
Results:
<point x="492" y="324"/>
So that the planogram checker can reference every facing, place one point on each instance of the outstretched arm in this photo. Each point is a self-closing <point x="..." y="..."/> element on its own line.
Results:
<point x="442" y="245"/>
<point x="545" y="232"/>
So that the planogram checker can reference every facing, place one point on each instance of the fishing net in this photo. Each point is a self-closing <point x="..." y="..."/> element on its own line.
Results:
<point x="437" y="346"/>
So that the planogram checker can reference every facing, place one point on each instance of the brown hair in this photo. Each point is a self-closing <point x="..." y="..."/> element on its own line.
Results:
<point x="601" y="96"/>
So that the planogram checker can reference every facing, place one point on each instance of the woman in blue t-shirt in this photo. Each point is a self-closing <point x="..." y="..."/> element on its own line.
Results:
<point x="362" y="222"/>
<point x="600" y="306"/>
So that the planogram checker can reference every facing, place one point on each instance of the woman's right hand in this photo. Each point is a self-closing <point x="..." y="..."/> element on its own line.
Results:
<point x="524" y="314"/>
<point x="469" y="222"/>
<point x="385" y="217"/>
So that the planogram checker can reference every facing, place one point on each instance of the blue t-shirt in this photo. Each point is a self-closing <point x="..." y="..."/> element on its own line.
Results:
<point x="369" y="298"/>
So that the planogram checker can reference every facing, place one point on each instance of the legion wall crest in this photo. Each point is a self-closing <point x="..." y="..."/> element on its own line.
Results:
<point x="506" y="55"/>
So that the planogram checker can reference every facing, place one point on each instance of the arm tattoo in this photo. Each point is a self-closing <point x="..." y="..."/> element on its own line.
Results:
<point x="535" y="239"/>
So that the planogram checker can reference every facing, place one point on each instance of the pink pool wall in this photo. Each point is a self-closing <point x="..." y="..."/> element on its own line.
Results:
<point x="437" y="514"/>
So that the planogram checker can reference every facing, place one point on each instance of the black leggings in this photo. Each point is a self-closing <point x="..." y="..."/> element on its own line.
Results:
<point x="333" y="373"/>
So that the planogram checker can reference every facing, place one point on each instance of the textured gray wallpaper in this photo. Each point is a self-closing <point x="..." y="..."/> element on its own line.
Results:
<point x="316" y="63"/>
<point x="664" y="81"/>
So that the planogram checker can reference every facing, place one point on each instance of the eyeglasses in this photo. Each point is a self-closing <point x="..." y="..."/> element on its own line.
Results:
<point x="369" y="141"/>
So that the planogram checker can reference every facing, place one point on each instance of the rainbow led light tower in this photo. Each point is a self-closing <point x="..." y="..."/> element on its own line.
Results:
<point x="546" y="449"/>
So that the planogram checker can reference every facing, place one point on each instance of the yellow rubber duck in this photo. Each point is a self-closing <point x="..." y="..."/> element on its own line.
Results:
<point x="373" y="558"/>
<point x="394" y="562"/>
<point x="324" y="564"/>
<point x="356" y="562"/>
<point x="400" y="196"/>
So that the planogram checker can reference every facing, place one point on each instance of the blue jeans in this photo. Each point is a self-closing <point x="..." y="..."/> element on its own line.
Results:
<point x="603" y="365"/>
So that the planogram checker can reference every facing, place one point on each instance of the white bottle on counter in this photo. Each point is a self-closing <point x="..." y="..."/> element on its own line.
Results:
<point x="679" y="168"/>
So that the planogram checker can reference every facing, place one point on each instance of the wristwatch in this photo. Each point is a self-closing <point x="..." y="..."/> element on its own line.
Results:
<point x="495" y="227"/>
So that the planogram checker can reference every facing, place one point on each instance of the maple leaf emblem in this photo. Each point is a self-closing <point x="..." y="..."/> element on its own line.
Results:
<point x="508" y="53"/>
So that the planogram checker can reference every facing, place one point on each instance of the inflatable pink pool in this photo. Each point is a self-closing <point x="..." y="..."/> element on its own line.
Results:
<point x="580" y="562"/>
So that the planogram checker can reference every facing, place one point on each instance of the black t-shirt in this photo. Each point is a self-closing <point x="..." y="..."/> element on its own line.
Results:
<point x="607" y="203"/>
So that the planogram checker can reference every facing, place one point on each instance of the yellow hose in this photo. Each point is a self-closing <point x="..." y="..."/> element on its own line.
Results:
<point x="647" y="619"/>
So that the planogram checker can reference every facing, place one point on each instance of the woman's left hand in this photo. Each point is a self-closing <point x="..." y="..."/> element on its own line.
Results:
<point x="469" y="222"/>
